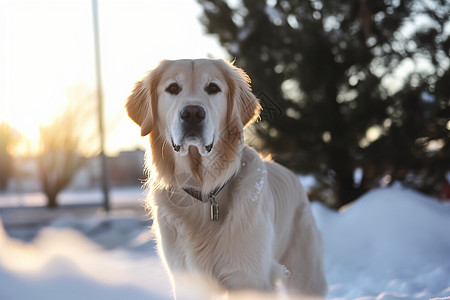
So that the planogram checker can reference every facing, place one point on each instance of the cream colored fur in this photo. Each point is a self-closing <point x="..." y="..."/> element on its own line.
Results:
<point x="266" y="236"/>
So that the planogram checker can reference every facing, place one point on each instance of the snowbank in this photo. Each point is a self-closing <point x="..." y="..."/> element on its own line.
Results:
<point x="111" y="257"/>
<point x="390" y="244"/>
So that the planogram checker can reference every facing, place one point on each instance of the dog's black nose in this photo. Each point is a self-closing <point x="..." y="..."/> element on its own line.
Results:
<point x="193" y="114"/>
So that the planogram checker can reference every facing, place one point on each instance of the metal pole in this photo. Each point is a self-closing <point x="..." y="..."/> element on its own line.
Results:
<point x="105" y="185"/>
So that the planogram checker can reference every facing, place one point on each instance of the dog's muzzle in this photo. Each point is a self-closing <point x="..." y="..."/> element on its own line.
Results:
<point x="192" y="119"/>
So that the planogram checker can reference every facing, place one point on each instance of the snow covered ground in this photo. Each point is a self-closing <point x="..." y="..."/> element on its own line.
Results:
<point x="119" y="197"/>
<point x="389" y="244"/>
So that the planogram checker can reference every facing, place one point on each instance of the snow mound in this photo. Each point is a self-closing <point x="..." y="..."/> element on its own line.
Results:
<point x="107" y="257"/>
<point x="389" y="244"/>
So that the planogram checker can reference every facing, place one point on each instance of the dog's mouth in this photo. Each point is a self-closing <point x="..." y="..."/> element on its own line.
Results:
<point x="194" y="141"/>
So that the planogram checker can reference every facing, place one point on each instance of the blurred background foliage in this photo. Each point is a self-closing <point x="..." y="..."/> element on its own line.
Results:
<point x="66" y="143"/>
<point x="356" y="92"/>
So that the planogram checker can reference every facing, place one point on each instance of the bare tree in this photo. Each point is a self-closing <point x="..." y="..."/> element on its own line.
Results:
<point x="65" y="145"/>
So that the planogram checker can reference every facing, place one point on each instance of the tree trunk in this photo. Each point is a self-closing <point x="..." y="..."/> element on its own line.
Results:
<point x="346" y="191"/>
<point x="52" y="200"/>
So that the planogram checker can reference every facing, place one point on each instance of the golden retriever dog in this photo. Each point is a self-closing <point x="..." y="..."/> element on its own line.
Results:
<point x="225" y="220"/>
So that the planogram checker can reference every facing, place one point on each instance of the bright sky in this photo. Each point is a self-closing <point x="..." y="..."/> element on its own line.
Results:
<point x="46" y="50"/>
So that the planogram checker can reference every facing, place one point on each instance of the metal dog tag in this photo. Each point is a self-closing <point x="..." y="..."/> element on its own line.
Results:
<point x="214" y="210"/>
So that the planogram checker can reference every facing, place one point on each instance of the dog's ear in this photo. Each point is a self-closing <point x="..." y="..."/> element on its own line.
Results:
<point x="139" y="107"/>
<point x="247" y="104"/>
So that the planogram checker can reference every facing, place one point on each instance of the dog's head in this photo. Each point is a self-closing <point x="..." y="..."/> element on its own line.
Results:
<point x="194" y="106"/>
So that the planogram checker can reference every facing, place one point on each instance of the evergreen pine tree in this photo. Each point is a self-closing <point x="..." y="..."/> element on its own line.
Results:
<point x="345" y="86"/>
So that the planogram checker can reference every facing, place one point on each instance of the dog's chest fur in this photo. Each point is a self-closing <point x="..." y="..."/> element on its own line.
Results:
<point x="192" y="242"/>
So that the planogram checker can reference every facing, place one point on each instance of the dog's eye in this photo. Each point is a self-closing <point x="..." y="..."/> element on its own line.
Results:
<point x="173" y="88"/>
<point x="212" y="88"/>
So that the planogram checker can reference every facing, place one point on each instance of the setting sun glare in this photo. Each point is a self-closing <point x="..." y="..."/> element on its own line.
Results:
<point x="47" y="54"/>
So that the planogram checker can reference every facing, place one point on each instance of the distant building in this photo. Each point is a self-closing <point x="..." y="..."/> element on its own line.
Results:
<point x="124" y="169"/>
